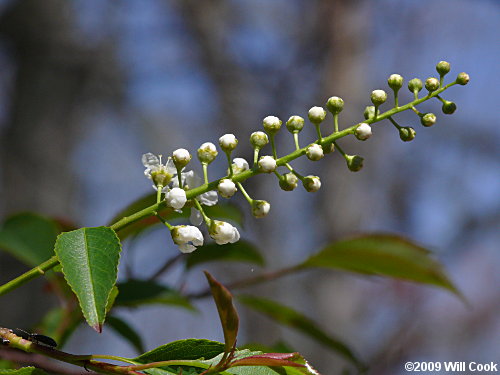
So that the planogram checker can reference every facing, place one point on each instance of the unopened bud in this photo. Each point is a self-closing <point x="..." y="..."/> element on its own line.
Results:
<point x="288" y="182"/>
<point x="314" y="152"/>
<point x="240" y="165"/>
<point x="267" y="164"/>
<point x="335" y="104"/>
<point x="271" y="124"/>
<point x="369" y="112"/>
<point x="260" y="208"/>
<point x="354" y="162"/>
<point x="181" y="157"/>
<point x="207" y="153"/>
<point x="431" y="84"/>
<point x="363" y="131"/>
<point x="378" y="97"/>
<point x="295" y="124"/>
<point x="415" y="85"/>
<point x="226" y="188"/>
<point x="462" y="78"/>
<point x="311" y="183"/>
<point x="448" y="108"/>
<point x="407" y="134"/>
<point x="395" y="82"/>
<point x="259" y="139"/>
<point x="316" y="115"/>
<point x="428" y="119"/>
<point x="443" y="67"/>
<point x="228" y="142"/>
<point x="328" y="148"/>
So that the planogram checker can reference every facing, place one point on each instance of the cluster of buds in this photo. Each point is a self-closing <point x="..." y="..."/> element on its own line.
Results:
<point x="180" y="189"/>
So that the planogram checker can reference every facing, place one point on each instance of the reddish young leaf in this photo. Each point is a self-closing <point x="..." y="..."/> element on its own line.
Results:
<point x="271" y="359"/>
<point x="227" y="312"/>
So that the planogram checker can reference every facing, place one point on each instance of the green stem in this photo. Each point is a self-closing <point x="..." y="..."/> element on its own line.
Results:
<point x="273" y="146"/>
<point x="336" y="122"/>
<point x="192" y="193"/>
<point x="290" y="168"/>
<point x="159" y="188"/>
<point x="244" y="192"/>
<point x="394" y="123"/>
<point x="396" y="98"/>
<point x="296" y="140"/>
<point x="179" y="176"/>
<point x="206" y="219"/>
<point x="230" y="164"/>
<point x="31" y="274"/>
<point x="205" y="172"/>
<point x="318" y="132"/>
<point x="256" y="156"/>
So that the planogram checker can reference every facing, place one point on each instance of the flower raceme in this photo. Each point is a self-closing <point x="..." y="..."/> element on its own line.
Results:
<point x="175" y="184"/>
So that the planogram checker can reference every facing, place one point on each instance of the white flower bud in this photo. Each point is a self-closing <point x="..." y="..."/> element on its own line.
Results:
<point x="311" y="183"/>
<point x="267" y="164"/>
<point x="363" y="131"/>
<point x="260" y="208"/>
<point x="259" y="139"/>
<point x="186" y="237"/>
<point x="181" y="157"/>
<point x="395" y="82"/>
<point x="316" y="115"/>
<point x="378" y="97"/>
<point x="295" y="124"/>
<point x="228" y="142"/>
<point x="176" y="198"/>
<point x="335" y="104"/>
<point x="207" y="152"/>
<point x="240" y="165"/>
<point x="288" y="182"/>
<point x="223" y="232"/>
<point x="226" y="188"/>
<point x="271" y="124"/>
<point x="314" y="152"/>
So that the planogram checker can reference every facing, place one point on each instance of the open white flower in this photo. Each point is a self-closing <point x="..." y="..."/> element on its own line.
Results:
<point x="160" y="173"/>
<point x="226" y="188"/>
<point x="176" y="198"/>
<point x="190" y="180"/>
<point x="223" y="232"/>
<point x="186" y="237"/>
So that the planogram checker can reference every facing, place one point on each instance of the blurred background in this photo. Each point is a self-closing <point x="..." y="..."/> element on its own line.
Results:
<point x="88" y="86"/>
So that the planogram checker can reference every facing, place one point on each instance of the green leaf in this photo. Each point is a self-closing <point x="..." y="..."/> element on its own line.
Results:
<point x="227" y="211"/>
<point x="141" y="292"/>
<point x="23" y="371"/>
<point x="296" y="364"/>
<point x="189" y="349"/>
<point x="126" y="331"/>
<point x="241" y="251"/>
<point x="227" y="313"/>
<point x="278" y="347"/>
<point x="29" y="237"/>
<point x="89" y="258"/>
<point x="289" y="317"/>
<point x="385" y="255"/>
